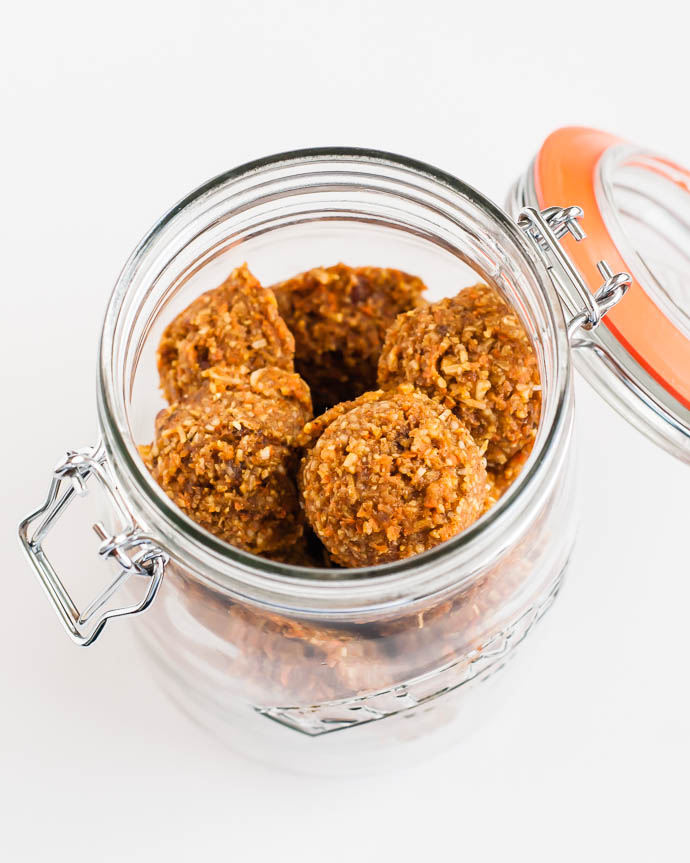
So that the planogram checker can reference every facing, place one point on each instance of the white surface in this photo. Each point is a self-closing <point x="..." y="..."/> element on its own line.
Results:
<point x="110" y="117"/>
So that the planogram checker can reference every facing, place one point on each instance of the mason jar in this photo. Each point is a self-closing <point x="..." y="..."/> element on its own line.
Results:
<point x="342" y="668"/>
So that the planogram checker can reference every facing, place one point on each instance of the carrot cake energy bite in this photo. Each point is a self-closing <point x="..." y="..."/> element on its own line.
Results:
<point x="339" y="316"/>
<point x="394" y="475"/>
<point x="235" y="324"/>
<point x="470" y="353"/>
<point x="226" y="456"/>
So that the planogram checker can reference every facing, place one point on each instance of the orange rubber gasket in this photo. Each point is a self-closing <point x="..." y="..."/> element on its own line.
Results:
<point x="564" y="175"/>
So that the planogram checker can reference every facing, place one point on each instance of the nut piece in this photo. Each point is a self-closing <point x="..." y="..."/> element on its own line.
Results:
<point x="339" y="316"/>
<point x="236" y="324"/>
<point x="391" y="477"/>
<point x="227" y="454"/>
<point x="472" y="354"/>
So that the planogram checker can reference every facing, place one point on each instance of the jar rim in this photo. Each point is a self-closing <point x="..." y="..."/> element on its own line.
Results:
<point x="152" y="505"/>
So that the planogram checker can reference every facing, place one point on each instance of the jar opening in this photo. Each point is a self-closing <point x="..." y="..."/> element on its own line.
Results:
<point x="284" y="214"/>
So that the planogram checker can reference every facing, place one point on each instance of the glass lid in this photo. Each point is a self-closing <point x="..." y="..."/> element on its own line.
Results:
<point x="636" y="217"/>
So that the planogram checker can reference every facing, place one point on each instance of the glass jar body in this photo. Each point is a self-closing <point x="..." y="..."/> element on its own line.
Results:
<point x="295" y="664"/>
<point x="351" y="690"/>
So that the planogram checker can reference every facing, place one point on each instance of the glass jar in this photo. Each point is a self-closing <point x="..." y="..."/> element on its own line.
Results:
<point x="303" y="665"/>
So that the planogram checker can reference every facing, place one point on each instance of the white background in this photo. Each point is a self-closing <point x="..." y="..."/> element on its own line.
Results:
<point x="110" y="114"/>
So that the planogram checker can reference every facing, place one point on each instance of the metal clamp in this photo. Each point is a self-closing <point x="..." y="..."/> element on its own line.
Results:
<point x="545" y="228"/>
<point x="135" y="552"/>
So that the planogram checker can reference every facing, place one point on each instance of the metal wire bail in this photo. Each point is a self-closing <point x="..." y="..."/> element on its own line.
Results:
<point x="545" y="229"/>
<point x="135" y="552"/>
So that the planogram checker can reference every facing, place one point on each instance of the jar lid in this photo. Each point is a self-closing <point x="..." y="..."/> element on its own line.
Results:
<point x="636" y="217"/>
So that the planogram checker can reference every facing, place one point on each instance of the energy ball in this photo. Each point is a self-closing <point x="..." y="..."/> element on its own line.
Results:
<point x="391" y="477"/>
<point x="339" y="316"/>
<point x="236" y="324"/>
<point x="227" y="457"/>
<point x="471" y="354"/>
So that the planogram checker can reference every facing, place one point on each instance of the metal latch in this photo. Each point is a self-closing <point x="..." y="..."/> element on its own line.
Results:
<point x="545" y="228"/>
<point x="135" y="552"/>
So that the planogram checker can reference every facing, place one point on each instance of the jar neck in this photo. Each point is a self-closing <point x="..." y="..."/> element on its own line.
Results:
<point x="416" y="210"/>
